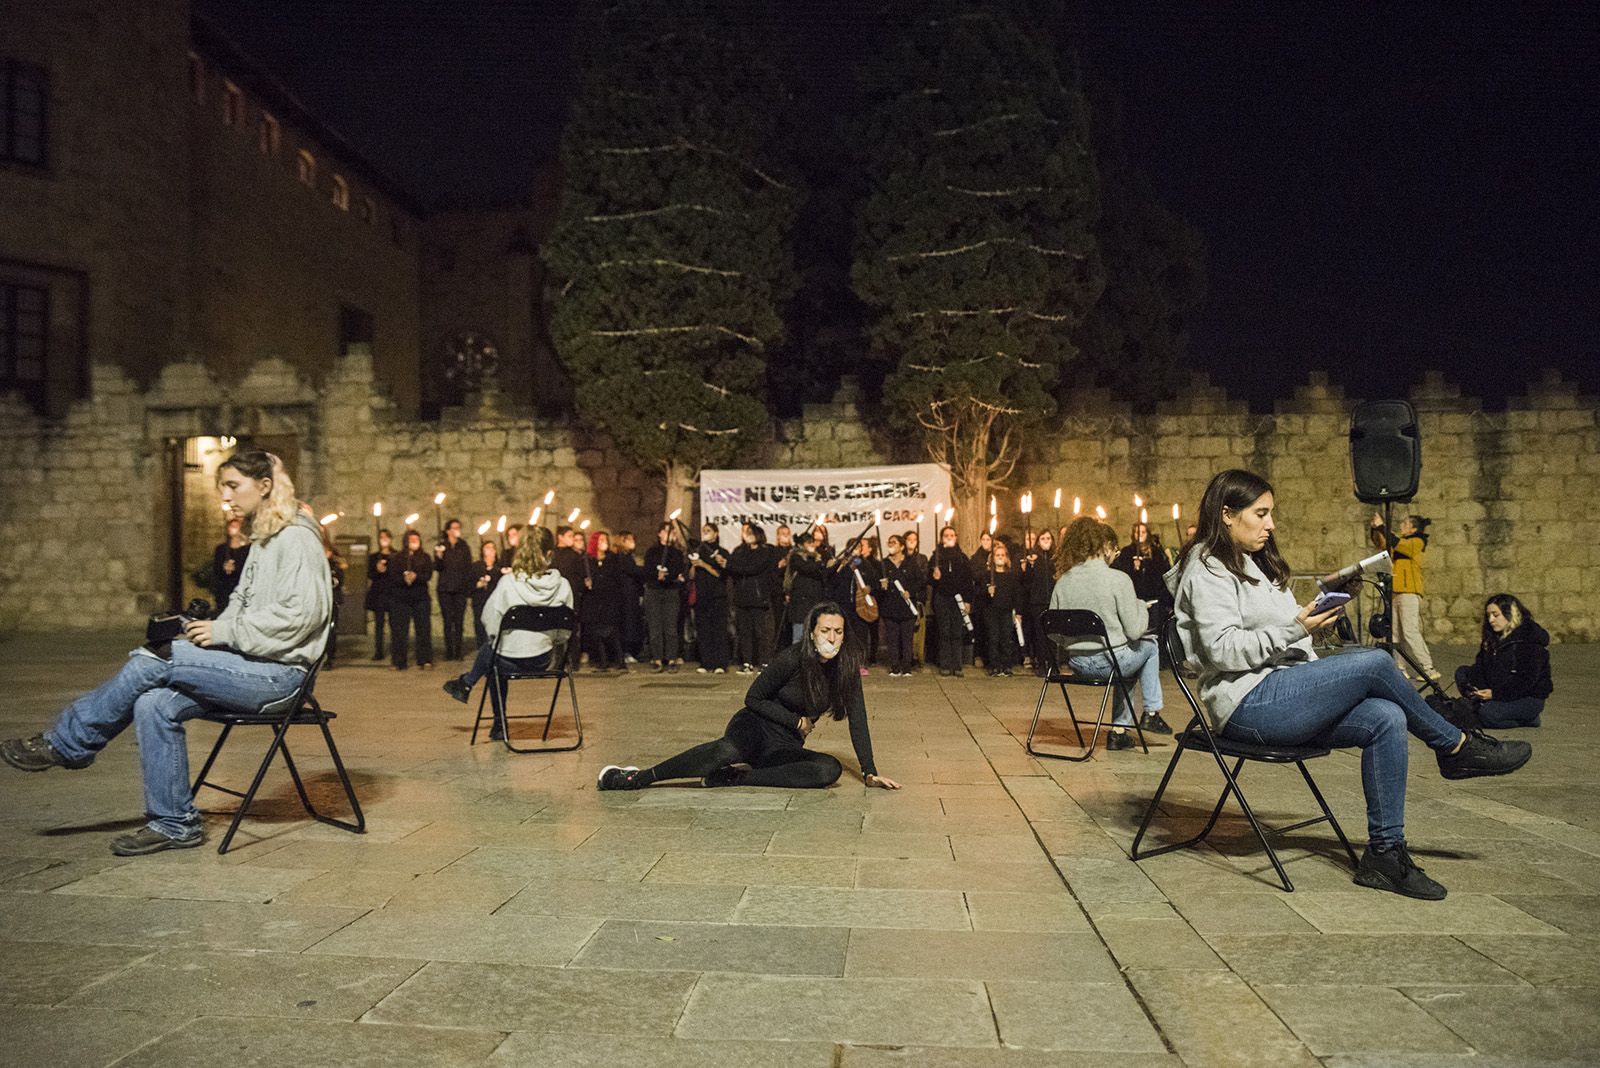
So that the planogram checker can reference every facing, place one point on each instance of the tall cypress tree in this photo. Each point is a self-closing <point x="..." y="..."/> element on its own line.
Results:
<point x="671" y="250"/>
<point x="976" y="248"/>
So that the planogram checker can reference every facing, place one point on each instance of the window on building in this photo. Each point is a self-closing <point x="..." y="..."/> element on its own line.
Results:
<point x="197" y="78"/>
<point x="306" y="167"/>
<point x="270" y="135"/>
<point x="24" y="100"/>
<point x="355" y="327"/>
<point x="232" y="105"/>
<point x="24" y="315"/>
<point x="365" y="209"/>
<point x="341" y="193"/>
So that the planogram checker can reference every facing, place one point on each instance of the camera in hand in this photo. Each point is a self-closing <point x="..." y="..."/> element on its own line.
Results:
<point x="164" y="627"/>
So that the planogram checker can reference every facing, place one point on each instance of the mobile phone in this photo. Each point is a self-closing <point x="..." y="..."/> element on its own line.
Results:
<point x="1328" y="601"/>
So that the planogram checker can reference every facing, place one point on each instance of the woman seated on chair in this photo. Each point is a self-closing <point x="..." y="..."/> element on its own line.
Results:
<point x="532" y="581"/>
<point x="255" y="654"/>
<point x="816" y="678"/>
<point x="1262" y="684"/>
<point x="1088" y="582"/>
<point x="1508" y="683"/>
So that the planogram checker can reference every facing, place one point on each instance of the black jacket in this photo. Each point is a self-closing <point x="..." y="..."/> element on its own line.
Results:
<point x="480" y="594"/>
<point x="778" y="696"/>
<point x="455" y="569"/>
<point x="890" y="604"/>
<point x="573" y="566"/>
<point x="605" y="603"/>
<point x="809" y="577"/>
<point x="381" y="584"/>
<point x="752" y="568"/>
<point x="421" y="562"/>
<point x="1148" y="574"/>
<point x="955" y="574"/>
<point x="1517" y="665"/>
<point x="1038" y="580"/>
<point x="222" y="583"/>
<point x="709" y="588"/>
<point x="1007" y="596"/>
<point x="670" y="557"/>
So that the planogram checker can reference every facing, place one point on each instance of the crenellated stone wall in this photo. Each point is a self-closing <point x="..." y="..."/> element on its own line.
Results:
<point x="86" y="503"/>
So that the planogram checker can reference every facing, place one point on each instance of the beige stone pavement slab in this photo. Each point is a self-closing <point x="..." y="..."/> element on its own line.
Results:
<point x="1362" y="912"/>
<point x="687" y="840"/>
<point x="931" y="1012"/>
<point x="1543" y="960"/>
<point x="929" y="1057"/>
<point x="1575" y="914"/>
<point x="79" y="1037"/>
<point x="352" y="853"/>
<point x="535" y="864"/>
<point x="514" y="997"/>
<point x="586" y="1051"/>
<point x="130" y="922"/>
<point x="1359" y="1019"/>
<point x="154" y="879"/>
<point x="1003" y="910"/>
<point x="44" y="973"/>
<point x="197" y="982"/>
<point x="1072" y="1016"/>
<point x="889" y="953"/>
<point x="512" y="939"/>
<point x="627" y="901"/>
<point x="1037" y="876"/>
<point x="708" y="947"/>
<point x="351" y="888"/>
<point x="845" y="844"/>
<point x="1154" y="942"/>
<point x="1223" y="914"/>
<point x="1214" y="1018"/>
<point x="274" y="1043"/>
<point x="1385" y="960"/>
<point x="731" y="869"/>
<point x="927" y="909"/>
<point x="1547" y="1022"/>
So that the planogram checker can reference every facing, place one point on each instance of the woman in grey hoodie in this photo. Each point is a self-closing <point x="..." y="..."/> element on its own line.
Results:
<point x="1262" y="684"/>
<point x="254" y="655"/>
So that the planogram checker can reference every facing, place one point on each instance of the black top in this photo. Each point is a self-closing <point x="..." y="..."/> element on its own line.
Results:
<point x="1147" y="572"/>
<point x="1007" y="595"/>
<point x="420" y="562"/>
<point x="1038" y="579"/>
<point x="1517" y="665"/>
<point x="381" y="584"/>
<point x="891" y="605"/>
<point x="609" y="586"/>
<point x="481" y="571"/>
<point x="222" y="583"/>
<point x="572" y="564"/>
<point x="455" y="568"/>
<point x="709" y="587"/>
<point x="779" y="696"/>
<point x="955" y="574"/>
<point x="808" y="577"/>
<point x="752" y="568"/>
<point x="664" y="556"/>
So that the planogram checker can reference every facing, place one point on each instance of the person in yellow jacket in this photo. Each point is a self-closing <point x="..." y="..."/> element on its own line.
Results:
<point x="1407" y="548"/>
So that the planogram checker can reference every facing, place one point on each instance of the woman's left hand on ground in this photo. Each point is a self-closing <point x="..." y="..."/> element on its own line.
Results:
<point x="198" y="631"/>
<point x="881" y="782"/>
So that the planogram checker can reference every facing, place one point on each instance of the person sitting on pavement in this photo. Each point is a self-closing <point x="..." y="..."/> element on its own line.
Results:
<point x="254" y="655"/>
<point x="1089" y="582"/>
<point x="1262" y="684"/>
<point x="1508" y="683"/>
<point x="816" y="678"/>
<point x="533" y="581"/>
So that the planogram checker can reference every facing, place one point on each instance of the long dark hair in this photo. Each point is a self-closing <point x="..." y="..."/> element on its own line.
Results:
<point x="1516" y="615"/>
<point x="827" y="682"/>
<point x="1234" y="490"/>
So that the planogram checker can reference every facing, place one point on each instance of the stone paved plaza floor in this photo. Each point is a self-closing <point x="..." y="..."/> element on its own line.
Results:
<point x="500" y="911"/>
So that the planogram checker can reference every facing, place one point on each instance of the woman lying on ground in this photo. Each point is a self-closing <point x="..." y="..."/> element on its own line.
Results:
<point x="1262" y="684"/>
<point x="819" y="676"/>
<point x="1509" y="681"/>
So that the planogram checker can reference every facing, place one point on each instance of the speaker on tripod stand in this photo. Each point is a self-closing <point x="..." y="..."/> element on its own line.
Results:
<point x="1386" y="463"/>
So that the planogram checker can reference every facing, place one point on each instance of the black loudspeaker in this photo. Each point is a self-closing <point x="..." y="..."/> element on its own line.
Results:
<point x="1385" y="451"/>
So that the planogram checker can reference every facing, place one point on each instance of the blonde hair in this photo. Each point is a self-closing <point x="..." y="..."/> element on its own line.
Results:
<point x="277" y="509"/>
<point x="533" y="555"/>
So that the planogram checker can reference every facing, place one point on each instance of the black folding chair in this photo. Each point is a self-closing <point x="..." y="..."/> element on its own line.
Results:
<point x="300" y="710"/>
<point x="540" y="618"/>
<point x="1199" y="736"/>
<point x="1060" y="626"/>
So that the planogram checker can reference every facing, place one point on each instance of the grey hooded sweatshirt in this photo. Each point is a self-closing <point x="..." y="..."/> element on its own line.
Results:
<point x="284" y="600"/>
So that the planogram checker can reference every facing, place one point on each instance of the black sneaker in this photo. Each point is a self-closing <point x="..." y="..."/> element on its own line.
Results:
<point x="658" y="667"/>
<point x="728" y="776"/>
<point x="616" y="777"/>
<point x="148" y="840"/>
<point x="36" y="754"/>
<point x="1118" y="740"/>
<point x="458" y="689"/>
<point x="1483" y="755"/>
<point x="1152" y="723"/>
<point x="1393" y="870"/>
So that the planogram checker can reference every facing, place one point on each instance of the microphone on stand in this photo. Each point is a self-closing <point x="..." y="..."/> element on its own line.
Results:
<point x="1344" y="576"/>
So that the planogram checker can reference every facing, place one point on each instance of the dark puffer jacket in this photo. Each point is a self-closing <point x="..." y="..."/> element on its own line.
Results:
<point x="1517" y="665"/>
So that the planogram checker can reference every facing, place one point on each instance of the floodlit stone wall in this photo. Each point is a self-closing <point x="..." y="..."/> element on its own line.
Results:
<point x="85" y="504"/>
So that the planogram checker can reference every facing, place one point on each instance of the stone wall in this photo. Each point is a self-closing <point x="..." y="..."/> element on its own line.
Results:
<point x="85" y="503"/>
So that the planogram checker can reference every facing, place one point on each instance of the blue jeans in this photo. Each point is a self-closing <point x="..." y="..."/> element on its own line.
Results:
<point x="1354" y="699"/>
<point x="1139" y="658"/>
<point x="157" y="696"/>
<point x="486" y="658"/>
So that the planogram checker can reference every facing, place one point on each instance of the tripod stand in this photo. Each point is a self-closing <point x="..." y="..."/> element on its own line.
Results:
<point x="1382" y="624"/>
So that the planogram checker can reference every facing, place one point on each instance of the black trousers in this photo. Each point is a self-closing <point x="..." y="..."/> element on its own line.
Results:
<point x="380" y="619"/>
<point x="481" y="635"/>
<point x="711" y="633"/>
<point x="952" y="631"/>
<point x="661" y="620"/>
<point x="453" y="607"/>
<point x="897" y="642"/>
<point x="776" y="757"/>
<point x="417" y="614"/>
<point x="754" y="627"/>
<point x="1001" y="654"/>
<point x="604" y="643"/>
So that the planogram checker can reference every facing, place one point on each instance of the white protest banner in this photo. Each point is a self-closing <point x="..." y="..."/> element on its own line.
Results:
<point x="906" y="494"/>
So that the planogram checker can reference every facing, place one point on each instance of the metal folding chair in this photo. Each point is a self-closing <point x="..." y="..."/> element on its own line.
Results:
<point x="1060" y="626"/>
<point x="1199" y="735"/>
<point x="540" y="618"/>
<point x="301" y="710"/>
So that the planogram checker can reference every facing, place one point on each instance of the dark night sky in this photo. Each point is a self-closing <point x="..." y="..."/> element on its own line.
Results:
<point x="1383" y="188"/>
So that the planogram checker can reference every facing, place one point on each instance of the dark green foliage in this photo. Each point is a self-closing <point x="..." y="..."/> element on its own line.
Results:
<point x="976" y="246"/>
<point x="670" y="255"/>
<point x="1136" y="339"/>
